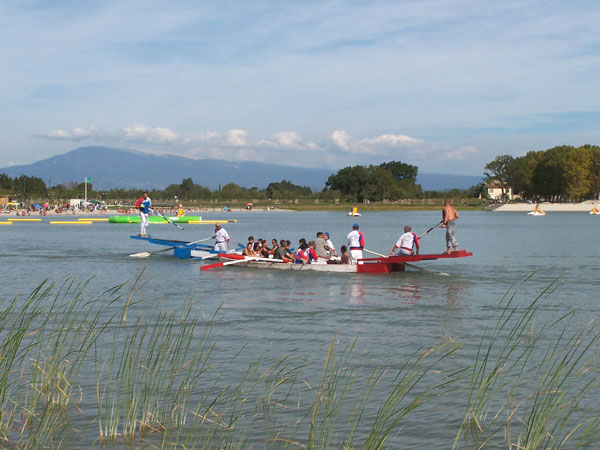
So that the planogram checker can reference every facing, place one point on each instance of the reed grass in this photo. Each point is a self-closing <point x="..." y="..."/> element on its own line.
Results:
<point x="156" y="381"/>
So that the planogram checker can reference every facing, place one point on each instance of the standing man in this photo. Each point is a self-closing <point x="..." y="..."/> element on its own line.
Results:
<point x="405" y="243"/>
<point x="356" y="242"/>
<point x="144" y="204"/>
<point x="222" y="239"/>
<point x="449" y="216"/>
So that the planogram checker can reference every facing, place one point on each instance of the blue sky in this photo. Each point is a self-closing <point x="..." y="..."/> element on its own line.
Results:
<point x="444" y="85"/>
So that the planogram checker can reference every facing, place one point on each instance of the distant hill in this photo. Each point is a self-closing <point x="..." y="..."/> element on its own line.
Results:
<point x="117" y="168"/>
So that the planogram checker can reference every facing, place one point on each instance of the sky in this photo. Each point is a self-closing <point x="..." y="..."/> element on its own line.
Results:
<point x="444" y="85"/>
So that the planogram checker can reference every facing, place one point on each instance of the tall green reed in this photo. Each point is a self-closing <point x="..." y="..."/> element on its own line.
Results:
<point x="529" y="383"/>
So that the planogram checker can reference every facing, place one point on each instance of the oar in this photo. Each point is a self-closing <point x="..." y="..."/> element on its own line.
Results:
<point x="237" y="261"/>
<point x="435" y="226"/>
<point x="146" y="254"/>
<point x="167" y="219"/>
<point x="409" y="264"/>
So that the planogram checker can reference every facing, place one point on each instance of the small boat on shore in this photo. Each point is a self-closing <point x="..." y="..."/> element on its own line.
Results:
<point x="389" y="264"/>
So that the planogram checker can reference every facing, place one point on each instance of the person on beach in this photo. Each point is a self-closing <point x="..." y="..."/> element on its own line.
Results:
<point x="221" y="239"/>
<point x="356" y="242"/>
<point x="449" y="216"/>
<point x="406" y="243"/>
<point x="144" y="204"/>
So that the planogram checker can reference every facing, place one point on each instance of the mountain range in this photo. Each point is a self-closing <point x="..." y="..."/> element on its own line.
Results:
<point x="120" y="168"/>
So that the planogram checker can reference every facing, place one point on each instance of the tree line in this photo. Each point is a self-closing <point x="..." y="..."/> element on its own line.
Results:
<point x="562" y="173"/>
<point x="391" y="181"/>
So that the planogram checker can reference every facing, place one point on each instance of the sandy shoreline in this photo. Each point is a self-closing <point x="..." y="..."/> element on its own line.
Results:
<point x="550" y="207"/>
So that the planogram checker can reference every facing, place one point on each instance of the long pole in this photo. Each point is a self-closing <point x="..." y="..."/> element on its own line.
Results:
<point x="85" y="189"/>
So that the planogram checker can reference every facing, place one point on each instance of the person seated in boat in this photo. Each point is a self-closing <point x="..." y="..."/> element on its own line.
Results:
<point x="595" y="210"/>
<point x="313" y="257"/>
<point x="345" y="256"/>
<point x="265" y="251"/>
<point x="406" y="243"/>
<point x="180" y="211"/>
<point x="320" y="246"/>
<point x="248" y="250"/>
<point x="286" y="254"/>
<point x="279" y="251"/>
<point x="300" y="257"/>
<point x="256" y="250"/>
<point x="274" y="246"/>
<point x="329" y="245"/>
<point x="251" y="240"/>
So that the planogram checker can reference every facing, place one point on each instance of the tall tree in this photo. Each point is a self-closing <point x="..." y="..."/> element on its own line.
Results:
<point x="499" y="170"/>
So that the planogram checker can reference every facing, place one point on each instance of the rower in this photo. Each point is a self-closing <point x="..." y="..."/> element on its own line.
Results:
<point x="406" y="243"/>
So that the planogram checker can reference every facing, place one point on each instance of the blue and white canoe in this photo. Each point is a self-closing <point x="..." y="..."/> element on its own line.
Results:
<point x="181" y="249"/>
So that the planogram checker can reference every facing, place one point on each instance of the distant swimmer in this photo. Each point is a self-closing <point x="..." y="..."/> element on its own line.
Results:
<point x="449" y="216"/>
<point x="144" y="204"/>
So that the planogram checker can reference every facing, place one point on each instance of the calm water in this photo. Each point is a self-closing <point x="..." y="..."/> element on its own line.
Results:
<point x="298" y="314"/>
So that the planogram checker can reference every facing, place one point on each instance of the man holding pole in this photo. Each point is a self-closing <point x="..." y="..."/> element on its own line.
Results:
<point x="221" y="239"/>
<point x="144" y="204"/>
<point x="449" y="216"/>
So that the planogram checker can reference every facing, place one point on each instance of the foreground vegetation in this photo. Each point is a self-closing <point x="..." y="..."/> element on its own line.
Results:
<point x="72" y="375"/>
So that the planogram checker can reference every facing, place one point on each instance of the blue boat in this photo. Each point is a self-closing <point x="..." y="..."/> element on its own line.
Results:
<point x="181" y="249"/>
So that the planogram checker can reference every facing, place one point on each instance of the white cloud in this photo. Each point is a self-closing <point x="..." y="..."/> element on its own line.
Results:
<point x="76" y="134"/>
<point x="379" y="145"/>
<point x="460" y="153"/>
<point x="237" y="138"/>
<point x="141" y="133"/>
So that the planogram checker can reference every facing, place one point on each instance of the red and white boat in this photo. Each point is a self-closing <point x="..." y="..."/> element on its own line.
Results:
<point x="383" y="264"/>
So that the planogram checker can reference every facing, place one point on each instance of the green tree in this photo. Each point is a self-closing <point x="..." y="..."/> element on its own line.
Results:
<point x="499" y="170"/>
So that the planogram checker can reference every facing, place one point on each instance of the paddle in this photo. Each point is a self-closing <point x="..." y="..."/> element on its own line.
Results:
<point x="236" y="261"/>
<point x="435" y="226"/>
<point x="165" y="218"/>
<point x="146" y="254"/>
<point x="409" y="264"/>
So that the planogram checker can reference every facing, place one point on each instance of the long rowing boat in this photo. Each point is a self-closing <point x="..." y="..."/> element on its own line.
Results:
<point x="389" y="264"/>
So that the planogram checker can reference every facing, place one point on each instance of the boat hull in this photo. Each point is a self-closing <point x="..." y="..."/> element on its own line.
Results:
<point x="381" y="265"/>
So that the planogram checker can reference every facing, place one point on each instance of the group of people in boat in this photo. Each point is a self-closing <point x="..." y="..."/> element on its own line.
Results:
<point x="322" y="251"/>
<point x="318" y="251"/>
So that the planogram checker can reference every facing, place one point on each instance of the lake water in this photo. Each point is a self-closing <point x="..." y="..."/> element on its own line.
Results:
<point x="276" y="313"/>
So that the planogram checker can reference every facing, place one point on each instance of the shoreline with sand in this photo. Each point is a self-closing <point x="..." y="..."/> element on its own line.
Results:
<point x="585" y="206"/>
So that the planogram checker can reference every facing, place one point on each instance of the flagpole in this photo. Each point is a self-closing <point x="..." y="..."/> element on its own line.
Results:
<point x="85" y="184"/>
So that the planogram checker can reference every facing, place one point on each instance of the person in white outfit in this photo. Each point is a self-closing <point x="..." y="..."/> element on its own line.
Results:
<point x="221" y="239"/>
<point x="356" y="243"/>
<point x="406" y="243"/>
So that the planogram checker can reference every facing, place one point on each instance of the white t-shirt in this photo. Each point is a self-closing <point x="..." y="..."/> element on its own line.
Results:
<point x="406" y="241"/>
<point x="221" y="235"/>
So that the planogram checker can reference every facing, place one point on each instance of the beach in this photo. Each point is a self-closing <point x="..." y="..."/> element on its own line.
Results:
<point x="550" y="207"/>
